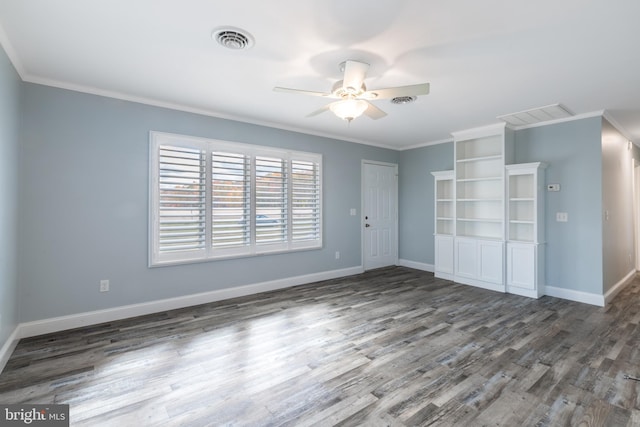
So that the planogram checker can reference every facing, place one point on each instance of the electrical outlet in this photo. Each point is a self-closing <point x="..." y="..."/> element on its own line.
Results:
<point x="562" y="216"/>
<point x="553" y="187"/>
<point x="352" y="212"/>
<point x="337" y="254"/>
<point x="104" y="286"/>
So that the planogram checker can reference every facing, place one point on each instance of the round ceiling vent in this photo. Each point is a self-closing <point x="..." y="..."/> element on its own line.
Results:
<point x="232" y="38"/>
<point x="403" y="99"/>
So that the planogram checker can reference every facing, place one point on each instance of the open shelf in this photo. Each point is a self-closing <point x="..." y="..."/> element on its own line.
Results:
<point x="484" y="169"/>
<point x="444" y="203"/>
<point x="444" y="189"/>
<point x="521" y="210"/>
<point x="477" y="148"/>
<point x="521" y="232"/>
<point x="444" y="226"/>
<point x="482" y="229"/>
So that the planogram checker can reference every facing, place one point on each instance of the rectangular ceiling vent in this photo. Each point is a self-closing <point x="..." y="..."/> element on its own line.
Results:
<point x="536" y="115"/>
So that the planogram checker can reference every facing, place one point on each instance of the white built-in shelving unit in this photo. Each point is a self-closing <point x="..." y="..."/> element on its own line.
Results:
<point x="525" y="229"/>
<point x="445" y="205"/>
<point x="488" y="215"/>
<point x="480" y="158"/>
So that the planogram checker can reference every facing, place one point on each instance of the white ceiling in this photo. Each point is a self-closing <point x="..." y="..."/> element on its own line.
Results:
<point x="483" y="59"/>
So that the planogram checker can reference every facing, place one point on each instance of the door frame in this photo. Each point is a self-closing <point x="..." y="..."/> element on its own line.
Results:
<point x="635" y="185"/>
<point x="362" y="206"/>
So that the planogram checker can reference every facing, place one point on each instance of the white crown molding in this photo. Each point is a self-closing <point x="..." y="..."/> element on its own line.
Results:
<point x="616" y="125"/>
<point x="179" y="107"/>
<point x="11" y="53"/>
<point x="489" y="129"/>
<point x="19" y="67"/>
<point x="426" y="144"/>
<point x="598" y="113"/>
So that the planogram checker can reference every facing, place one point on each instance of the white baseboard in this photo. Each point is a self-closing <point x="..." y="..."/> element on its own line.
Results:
<point x="568" y="294"/>
<point x="572" y="295"/>
<point x="417" y="265"/>
<point x="56" y="324"/>
<point x="8" y="347"/>
<point x="480" y="284"/>
<point x="525" y="292"/>
<point x="611" y="293"/>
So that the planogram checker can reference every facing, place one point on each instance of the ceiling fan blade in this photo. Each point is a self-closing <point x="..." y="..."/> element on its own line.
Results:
<point x="320" y="111"/>
<point x="303" y="92"/>
<point x="354" y="74"/>
<point x="393" y="92"/>
<point x="374" y="112"/>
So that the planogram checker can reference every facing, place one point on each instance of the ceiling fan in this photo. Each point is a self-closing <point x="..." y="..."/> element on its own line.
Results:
<point x="353" y="96"/>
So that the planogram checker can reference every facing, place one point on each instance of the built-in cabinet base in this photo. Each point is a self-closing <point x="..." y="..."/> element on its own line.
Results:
<point x="478" y="262"/>
<point x="444" y="257"/>
<point x="489" y="215"/>
<point x="525" y="269"/>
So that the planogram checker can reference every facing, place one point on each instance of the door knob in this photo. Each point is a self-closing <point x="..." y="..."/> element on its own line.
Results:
<point x="367" y="225"/>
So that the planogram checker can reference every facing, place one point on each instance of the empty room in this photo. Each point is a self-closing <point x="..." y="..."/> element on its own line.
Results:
<point x="296" y="213"/>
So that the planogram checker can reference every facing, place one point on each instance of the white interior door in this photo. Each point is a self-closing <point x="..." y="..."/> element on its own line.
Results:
<point x="380" y="215"/>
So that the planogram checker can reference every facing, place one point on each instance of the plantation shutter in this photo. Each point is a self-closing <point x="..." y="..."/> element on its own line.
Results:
<point x="271" y="200"/>
<point x="181" y="199"/>
<point x="305" y="204"/>
<point x="230" y="196"/>
<point x="213" y="199"/>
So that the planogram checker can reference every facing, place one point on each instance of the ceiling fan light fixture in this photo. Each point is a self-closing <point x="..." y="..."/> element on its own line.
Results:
<point x="349" y="109"/>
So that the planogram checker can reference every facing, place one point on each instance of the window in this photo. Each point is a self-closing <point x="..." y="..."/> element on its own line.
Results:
<point x="216" y="199"/>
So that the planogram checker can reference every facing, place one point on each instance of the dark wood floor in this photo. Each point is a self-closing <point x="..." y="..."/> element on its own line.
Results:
<point x="392" y="347"/>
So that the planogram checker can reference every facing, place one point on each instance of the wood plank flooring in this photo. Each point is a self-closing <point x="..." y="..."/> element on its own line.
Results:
<point x="391" y="347"/>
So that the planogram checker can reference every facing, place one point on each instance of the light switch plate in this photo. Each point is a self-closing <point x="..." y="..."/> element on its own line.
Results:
<point x="562" y="216"/>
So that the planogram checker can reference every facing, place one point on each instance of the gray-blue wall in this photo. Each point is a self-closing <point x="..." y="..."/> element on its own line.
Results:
<point x="9" y="157"/>
<point x="574" y="258"/>
<point x="618" y="246"/>
<point x="84" y="204"/>
<point x="573" y="153"/>
<point x="416" y="199"/>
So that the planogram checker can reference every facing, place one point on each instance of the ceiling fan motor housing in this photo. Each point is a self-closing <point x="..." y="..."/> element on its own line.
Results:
<point x="342" y="92"/>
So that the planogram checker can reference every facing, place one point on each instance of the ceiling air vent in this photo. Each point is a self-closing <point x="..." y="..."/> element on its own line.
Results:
<point x="536" y="115"/>
<point x="403" y="99"/>
<point x="233" y="38"/>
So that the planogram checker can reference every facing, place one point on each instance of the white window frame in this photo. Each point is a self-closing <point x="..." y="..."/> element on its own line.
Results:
<point x="208" y="253"/>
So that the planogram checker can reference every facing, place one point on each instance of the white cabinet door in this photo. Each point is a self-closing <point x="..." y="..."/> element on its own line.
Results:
<point x="466" y="258"/>
<point x="444" y="255"/>
<point x="521" y="262"/>
<point x="490" y="266"/>
<point x="480" y="263"/>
